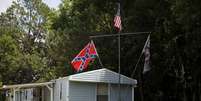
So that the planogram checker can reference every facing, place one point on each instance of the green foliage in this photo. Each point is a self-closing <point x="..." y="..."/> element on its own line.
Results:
<point x="174" y="41"/>
<point x="37" y="43"/>
<point x="22" y="43"/>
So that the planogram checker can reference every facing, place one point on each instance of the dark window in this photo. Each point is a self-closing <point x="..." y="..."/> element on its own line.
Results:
<point x="102" y="97"/>
<point x="102" y="92"/>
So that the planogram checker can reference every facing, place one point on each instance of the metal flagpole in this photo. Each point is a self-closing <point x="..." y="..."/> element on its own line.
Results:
<point x="119" y="71"/>
<point x="119" y="53"/>
<point x="118" y="25"/>
<point x="97" y="55"/>
<point x="121" y="34"/>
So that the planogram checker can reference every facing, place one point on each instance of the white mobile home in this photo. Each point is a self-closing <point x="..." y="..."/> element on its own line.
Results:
<point x="96" y="85"/>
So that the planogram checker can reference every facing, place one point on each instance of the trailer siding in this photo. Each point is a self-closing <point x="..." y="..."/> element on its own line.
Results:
<point x="61" y="90"/>
<point x="80" y="91"/>
<point x="126" y="92"/>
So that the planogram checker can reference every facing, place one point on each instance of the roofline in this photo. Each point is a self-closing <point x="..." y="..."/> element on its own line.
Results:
<point x="85" y="72"/>
<point x="99" y="70"/>
<point x="67" y="77"/>
<point x="101" y="82"/>
<point x="31" y="85"/>
<point x="28" y="85"/>
<point x="122" y="75"/>
<point x="131" y="79"/>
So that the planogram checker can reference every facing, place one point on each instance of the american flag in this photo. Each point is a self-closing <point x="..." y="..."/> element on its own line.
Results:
<point x="117" y="19"/>
<point x="146" y="51"/>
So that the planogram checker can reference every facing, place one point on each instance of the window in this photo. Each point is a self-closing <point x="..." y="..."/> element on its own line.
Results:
<point x="102" y="92"/>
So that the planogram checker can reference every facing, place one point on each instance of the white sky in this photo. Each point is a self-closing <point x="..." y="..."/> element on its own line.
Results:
<point x="4" y="4"/>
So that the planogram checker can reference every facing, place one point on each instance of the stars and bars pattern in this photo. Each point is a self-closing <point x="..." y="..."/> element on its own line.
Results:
<point x="87" y="54"/>
<point x="146" y="51"/>
<point x="117" y="19"/>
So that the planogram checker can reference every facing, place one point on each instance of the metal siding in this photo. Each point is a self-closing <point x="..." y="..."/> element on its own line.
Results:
<point x="30" y="96"/>
<point x="27" y="94"/>
<point x="109" y="92"/>
<point x="80" y="91"/>
<point x="126" y="93"/>
<point x="21" y="95"/>
<point x="67" y="90"/>
<point x="114" y="93"/>
<point x="56" y="90"/>
<point x="46" y="94"/>
<point x="64" y="90"/>
<point x="57" y="87"/>
<point x="133" y="93"/>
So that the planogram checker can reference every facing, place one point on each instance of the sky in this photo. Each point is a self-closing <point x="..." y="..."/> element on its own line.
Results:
<point x="4" y="4"/>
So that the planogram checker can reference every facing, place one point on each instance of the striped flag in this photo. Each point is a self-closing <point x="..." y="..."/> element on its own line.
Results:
<point x="117" y="20"/>
<point x="146" y="51"/>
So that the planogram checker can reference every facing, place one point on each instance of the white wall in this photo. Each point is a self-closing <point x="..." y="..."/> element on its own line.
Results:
<point x="61" y="90"/>
<point x="126" y="92"/>
<point x="24" y="95"/>
<point x="46" y="94"/>
<point x="83" y="91"/>
<point x="80" y="91"/>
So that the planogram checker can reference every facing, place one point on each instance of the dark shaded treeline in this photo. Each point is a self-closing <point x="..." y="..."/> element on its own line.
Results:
<point x="40" y="45"/>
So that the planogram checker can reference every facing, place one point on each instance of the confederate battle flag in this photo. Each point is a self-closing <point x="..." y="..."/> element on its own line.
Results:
<point x="87" y="54"/>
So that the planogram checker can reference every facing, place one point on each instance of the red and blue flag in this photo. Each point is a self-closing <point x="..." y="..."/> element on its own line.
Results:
<point x="86" y="55"/>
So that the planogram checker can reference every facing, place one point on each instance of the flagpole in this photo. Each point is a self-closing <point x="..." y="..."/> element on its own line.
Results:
<point x="118" y="26"/>
<point x="116" y="35"/>
<point x="119" y="53"/>
<point x="98" y="56"/>
<point x="119" y="68"/>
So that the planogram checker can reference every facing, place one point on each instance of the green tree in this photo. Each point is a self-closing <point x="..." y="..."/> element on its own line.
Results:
<point x="174" y="41"/>
<point x="23" y="35"/>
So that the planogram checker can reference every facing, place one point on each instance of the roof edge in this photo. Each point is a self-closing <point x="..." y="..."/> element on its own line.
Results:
<point x="28" y="85"/>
